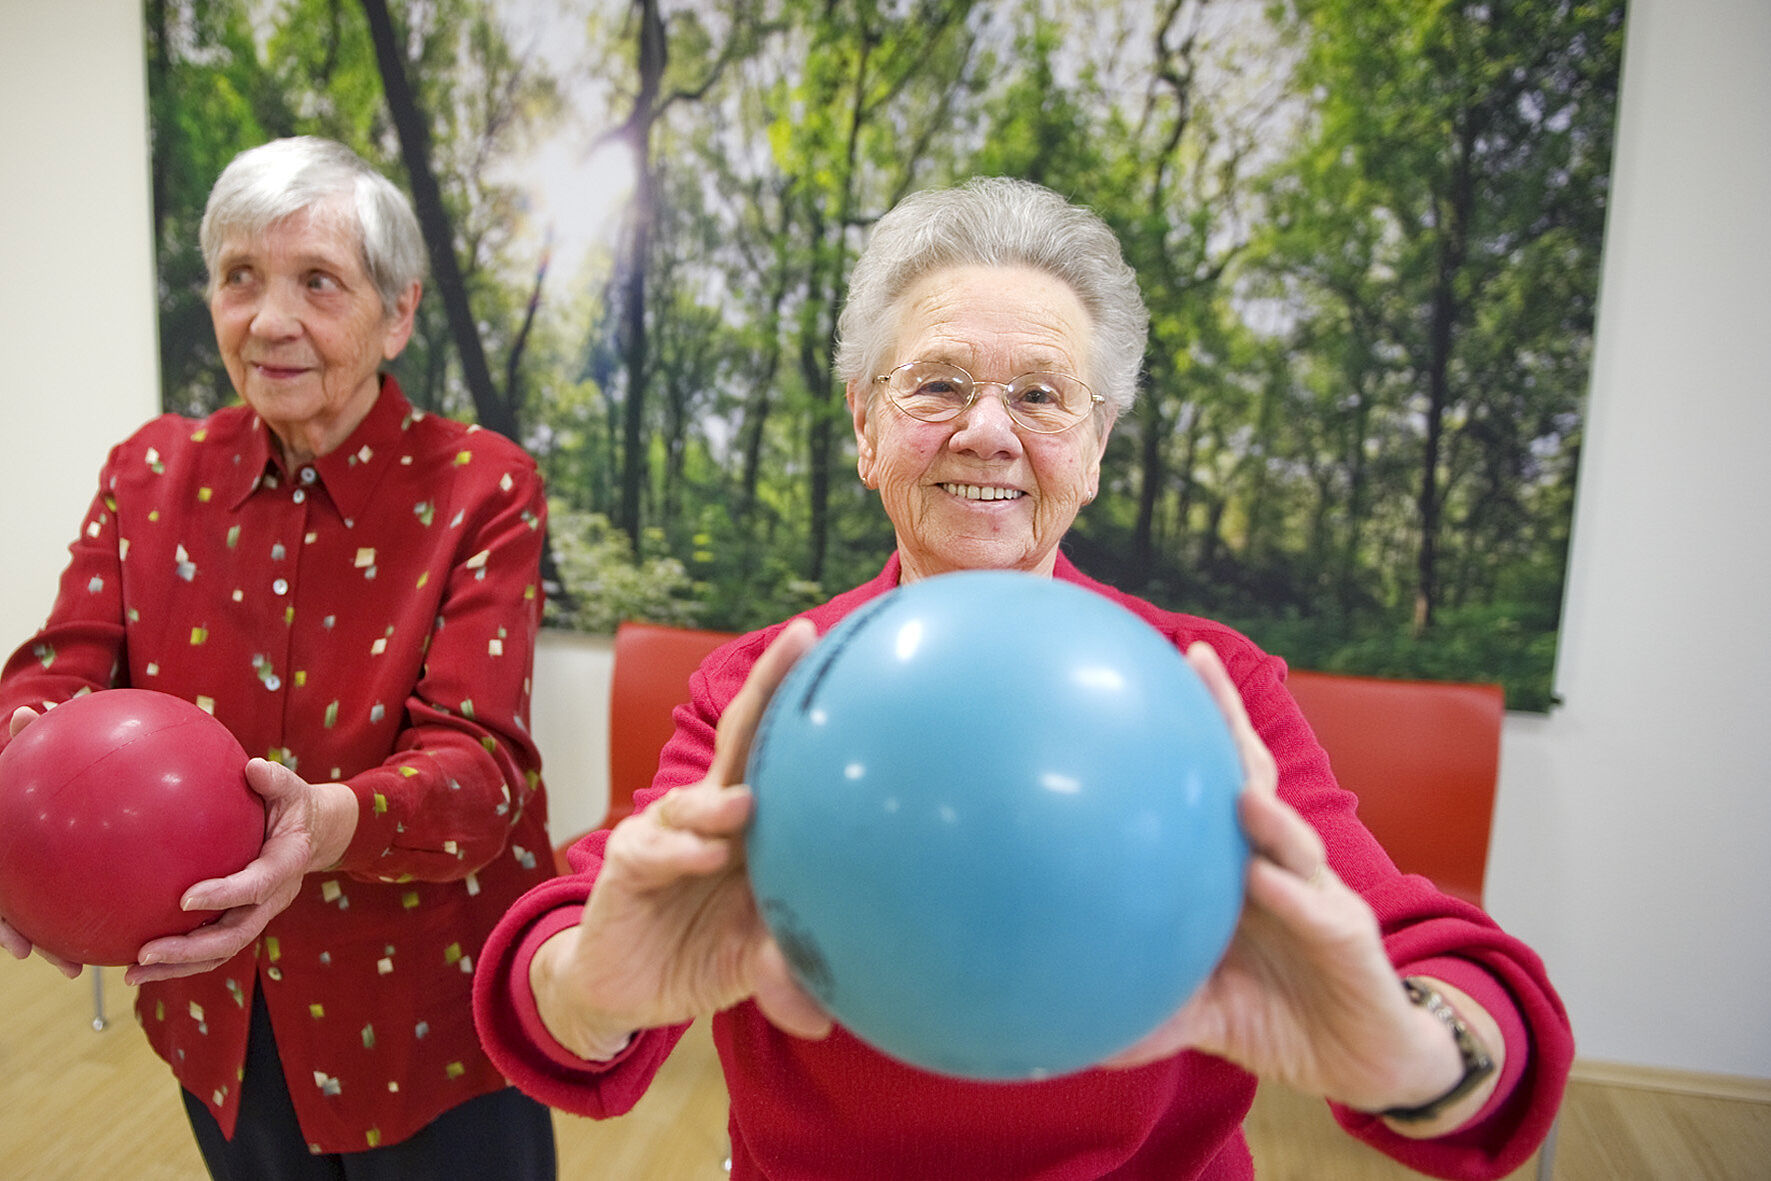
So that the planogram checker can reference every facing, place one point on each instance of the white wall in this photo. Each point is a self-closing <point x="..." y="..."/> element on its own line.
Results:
<point x="571" y="720"/>
<point x="1632" y="839"/>
<point x="1630" y="846"/>
<point x="76" y="274"/>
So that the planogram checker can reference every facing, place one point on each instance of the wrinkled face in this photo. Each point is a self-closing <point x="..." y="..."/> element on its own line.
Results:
<point x="977" y="491"/>
<point x="302" y="329"/>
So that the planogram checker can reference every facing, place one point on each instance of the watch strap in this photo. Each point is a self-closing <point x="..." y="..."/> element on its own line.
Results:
<point x="1478" y="1063"/>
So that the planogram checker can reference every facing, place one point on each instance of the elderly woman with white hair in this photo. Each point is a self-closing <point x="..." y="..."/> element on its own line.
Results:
<point x="992" y="337"/>
<point x="352" y="587"/>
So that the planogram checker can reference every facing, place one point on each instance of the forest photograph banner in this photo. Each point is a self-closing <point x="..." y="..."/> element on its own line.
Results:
<point x="1368" y="231"/>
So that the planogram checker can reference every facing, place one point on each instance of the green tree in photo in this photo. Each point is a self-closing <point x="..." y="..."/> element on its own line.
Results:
<point x="1368" y="232"/>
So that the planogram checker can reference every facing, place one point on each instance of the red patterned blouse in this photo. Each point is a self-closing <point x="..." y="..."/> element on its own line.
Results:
<point x="370" y="618"/>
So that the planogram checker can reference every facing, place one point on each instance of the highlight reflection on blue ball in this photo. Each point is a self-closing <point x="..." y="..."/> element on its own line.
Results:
<point x="995" y="827"/>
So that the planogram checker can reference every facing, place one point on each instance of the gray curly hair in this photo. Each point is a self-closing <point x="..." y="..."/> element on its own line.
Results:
<point x="996" y="221"/>
<point x="263" y="185"/>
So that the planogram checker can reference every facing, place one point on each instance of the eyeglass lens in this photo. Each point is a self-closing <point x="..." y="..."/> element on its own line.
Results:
<point x="934" y="392"/>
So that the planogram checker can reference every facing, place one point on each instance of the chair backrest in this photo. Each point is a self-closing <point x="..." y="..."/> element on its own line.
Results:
<point x="1423" y="758"/>
<point x="651" y="678"/>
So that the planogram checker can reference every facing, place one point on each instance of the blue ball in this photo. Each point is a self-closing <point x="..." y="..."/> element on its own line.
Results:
<point x="995" y="830"/>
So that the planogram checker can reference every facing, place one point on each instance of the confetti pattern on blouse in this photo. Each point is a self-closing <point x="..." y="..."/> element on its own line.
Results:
<point x="368" y="618"/>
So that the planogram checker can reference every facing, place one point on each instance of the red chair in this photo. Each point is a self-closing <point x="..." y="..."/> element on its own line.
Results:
<point x="1423" y="758"/>
<point x="651" y="678"/>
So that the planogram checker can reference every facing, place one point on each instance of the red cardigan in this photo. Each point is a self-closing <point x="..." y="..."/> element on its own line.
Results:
<point x="838" y="1109"/>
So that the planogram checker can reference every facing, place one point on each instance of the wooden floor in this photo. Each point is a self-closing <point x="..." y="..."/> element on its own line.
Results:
<point x="76" y="1104"/>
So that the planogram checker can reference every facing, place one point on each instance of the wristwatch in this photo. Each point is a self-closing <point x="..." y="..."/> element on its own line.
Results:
<point x="1478" y="1065"/>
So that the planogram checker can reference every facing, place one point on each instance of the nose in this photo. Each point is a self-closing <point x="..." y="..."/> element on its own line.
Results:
<point x="275" y="317"/>
<point x="985" y="426"/>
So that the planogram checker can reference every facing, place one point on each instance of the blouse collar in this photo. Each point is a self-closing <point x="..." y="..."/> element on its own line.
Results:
<point x="350" y="471"/>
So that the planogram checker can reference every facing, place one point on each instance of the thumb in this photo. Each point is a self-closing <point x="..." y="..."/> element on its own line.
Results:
<point x="271" y="780"/>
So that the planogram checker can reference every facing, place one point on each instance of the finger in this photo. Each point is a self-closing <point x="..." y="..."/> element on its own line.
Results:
<point x="282" y="860"/>
<point x="737" y="726"/>
<point x="1289" y="877"/>
<point x="1278" y="834"/>
<point x="788" y="1007"/>
<point x="139" y="974"/>
<point x="705" y="808"/>
<point x="284" y="857"/>
<point x="1260" y="773"/>
<point x="1177" y="1033"/>
<point x="212" y="943"/>
<point x="68" y="968"/>
<point x="21" y="948"/>
<point x="686" y="832"/>
<point x="16" y="945"/>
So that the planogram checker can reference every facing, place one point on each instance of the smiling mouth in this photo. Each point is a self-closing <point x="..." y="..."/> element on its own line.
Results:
<point x="982" y="492"/>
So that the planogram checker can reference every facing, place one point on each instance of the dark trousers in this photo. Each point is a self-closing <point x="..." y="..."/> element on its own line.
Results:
<point x="504" y="1134"/>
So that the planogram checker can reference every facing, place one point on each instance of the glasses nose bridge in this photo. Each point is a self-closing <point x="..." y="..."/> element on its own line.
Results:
<point x="1002" y="394"/>
<point x="976" y="386"/>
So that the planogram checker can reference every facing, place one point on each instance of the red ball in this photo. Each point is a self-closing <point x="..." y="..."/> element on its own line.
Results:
<point x="112" y="805"/>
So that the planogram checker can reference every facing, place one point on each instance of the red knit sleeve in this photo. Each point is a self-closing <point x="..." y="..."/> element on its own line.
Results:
<point x="504" y="1007"/>
<point x="509" y="1027"/>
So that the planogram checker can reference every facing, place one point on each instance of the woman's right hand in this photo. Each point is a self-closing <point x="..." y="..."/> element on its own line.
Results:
<point x="671" y="931"/>
<point x="16" y="944"/>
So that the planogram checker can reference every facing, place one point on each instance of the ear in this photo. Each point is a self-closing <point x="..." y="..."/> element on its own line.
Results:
<point x="400" y="321"/>
<point x="1108" y="418"/>
<point x="858" y="397"/>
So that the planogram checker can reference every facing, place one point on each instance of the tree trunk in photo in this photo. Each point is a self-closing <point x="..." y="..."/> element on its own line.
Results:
<point x="513" y="365"/>
<point x="491" y="411"/>
<point x="1152" y="477"/>
<point x="1452" y="249"/>
<point x="635" y="348"/>
<point x="760" y="401"/>
<point x="433" y="220"/>
<point x="155" y="21"/>
<point x="756" y="416"/>
<point x="654" y="54"/>
<point x="816" y="354"/>
<point x="820" y="289"/>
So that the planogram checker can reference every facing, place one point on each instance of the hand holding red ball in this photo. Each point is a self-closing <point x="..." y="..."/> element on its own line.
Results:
<point x="112" y="805"/>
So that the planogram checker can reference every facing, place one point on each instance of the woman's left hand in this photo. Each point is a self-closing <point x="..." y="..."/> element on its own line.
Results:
<point x="10" y="937"/>
<point x="1305" y="994"/>
<point x="307" y="827"/>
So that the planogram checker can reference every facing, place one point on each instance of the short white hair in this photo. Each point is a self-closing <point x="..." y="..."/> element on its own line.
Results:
<point x="996" y="221"/>
<point x="264" y="185"/>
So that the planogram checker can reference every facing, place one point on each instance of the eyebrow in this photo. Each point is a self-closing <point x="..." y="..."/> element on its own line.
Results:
<point x="1045" y="363"/>
<point x="307" y="260"/>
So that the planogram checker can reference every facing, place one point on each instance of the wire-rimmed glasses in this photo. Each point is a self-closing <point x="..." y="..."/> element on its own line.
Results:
<point x="935" y="391"/>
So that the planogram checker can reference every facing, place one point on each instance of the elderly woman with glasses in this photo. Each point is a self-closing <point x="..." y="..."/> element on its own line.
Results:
<point x="991" y="338"/>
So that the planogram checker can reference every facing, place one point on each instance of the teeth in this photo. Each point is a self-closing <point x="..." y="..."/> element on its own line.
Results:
<point x="978" y="492"/>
